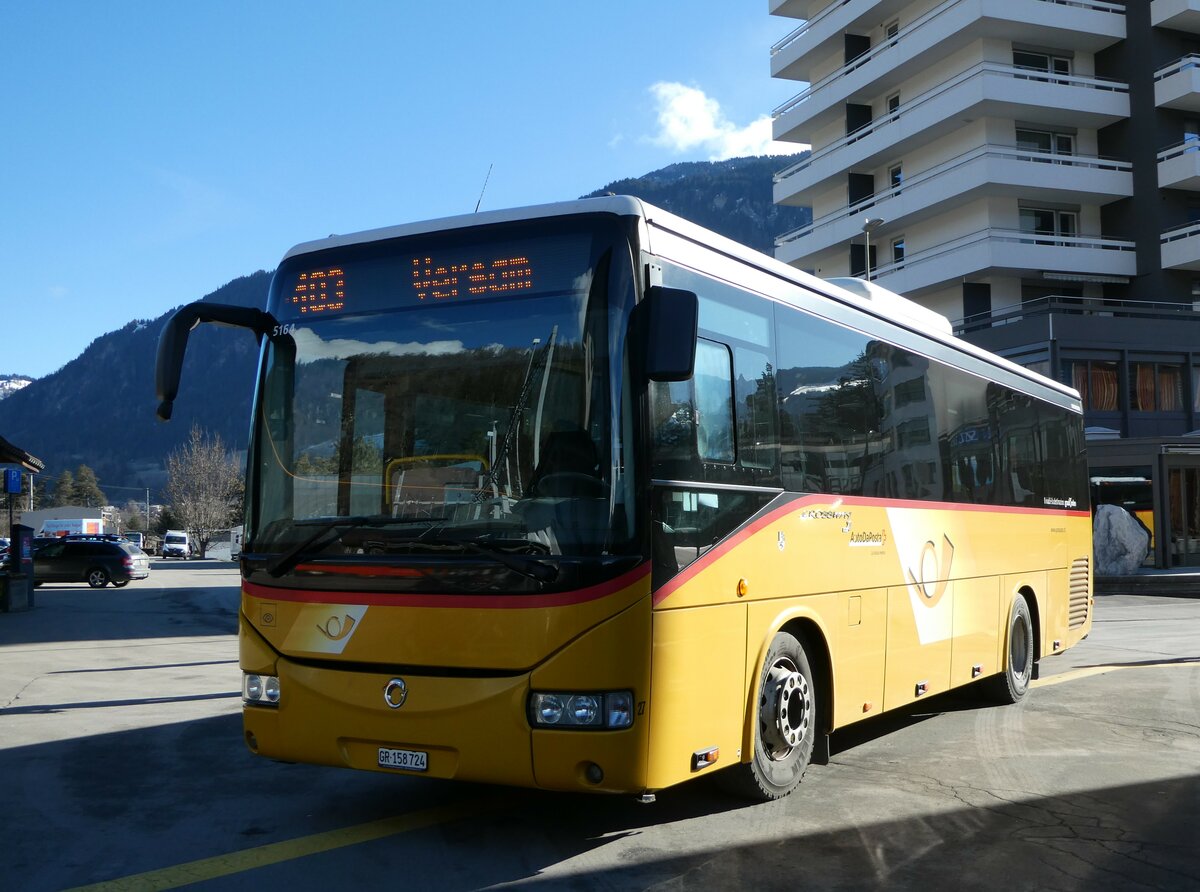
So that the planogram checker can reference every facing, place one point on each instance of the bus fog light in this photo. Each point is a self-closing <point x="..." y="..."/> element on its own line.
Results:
<point x="260" y="690"/>
<point x="580" y="710"/>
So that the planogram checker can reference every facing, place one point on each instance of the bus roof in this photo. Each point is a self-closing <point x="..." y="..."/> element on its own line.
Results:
<point x="866" y="297"/>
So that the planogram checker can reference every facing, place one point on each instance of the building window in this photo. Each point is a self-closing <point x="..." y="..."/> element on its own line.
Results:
<point x="896" y="178"/>
<point x="1046" y="141"/>
<point x="1047" y="221"/>
<point x="1196" y="388"/>
<point x="898" y="250"/>
<point x="1041" y="366"/>
<point x="893" y="103"/>
<point x="1097" y="383"/>
<point x="891" y="30"/>
<point x="1155" y="387"/>
<point x="1046" y="62"/>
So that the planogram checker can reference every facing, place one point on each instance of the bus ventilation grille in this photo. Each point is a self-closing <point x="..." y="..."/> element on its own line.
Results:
<point x="1080" y="593"/>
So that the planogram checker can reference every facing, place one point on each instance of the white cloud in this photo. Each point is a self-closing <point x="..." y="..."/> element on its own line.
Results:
<point x="312" y="347"/>
<point x="688" y="120"/>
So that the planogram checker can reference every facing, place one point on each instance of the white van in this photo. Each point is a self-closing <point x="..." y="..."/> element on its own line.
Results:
<point x="176" y="544"/>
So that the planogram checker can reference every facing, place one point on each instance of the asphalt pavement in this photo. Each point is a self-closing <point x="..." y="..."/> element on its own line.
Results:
<point x="123" y="767"/>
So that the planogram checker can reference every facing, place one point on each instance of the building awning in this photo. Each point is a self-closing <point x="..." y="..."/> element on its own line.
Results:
<point x="12" y="455"/>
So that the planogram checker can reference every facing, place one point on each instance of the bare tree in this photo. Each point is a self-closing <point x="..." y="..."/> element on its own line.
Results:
<point x="204" y="486"/>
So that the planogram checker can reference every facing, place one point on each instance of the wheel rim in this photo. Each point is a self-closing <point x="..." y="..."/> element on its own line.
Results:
<point x="97" y="579"/>
<point x="785" y="710"/>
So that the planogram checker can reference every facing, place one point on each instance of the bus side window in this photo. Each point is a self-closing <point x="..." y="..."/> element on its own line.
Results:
<point x="714" y="402"/>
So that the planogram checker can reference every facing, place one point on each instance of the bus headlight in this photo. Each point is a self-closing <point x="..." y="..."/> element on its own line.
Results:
<point x="563" y="709"/>
<point x="260" y="690"/>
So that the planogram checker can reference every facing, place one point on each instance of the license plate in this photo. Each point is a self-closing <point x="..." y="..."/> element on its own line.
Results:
<point x="409" y="760"/>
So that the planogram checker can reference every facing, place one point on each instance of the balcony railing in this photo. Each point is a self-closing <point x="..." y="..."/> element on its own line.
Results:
<point x="1189" y="145"/>
<point x="991" y="151"/>
<point x="1187" y="230"/>
<point x="804" y="27"/>
<point x="1192" y="60"/>
<point x="978" y="70"/>
<point x="1076" y="306"/>
<point x="898" y="39"/>
<point x="941" y="253"/>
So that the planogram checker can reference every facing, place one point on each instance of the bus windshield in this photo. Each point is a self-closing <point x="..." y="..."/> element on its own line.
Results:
<point x="404" y="412"/>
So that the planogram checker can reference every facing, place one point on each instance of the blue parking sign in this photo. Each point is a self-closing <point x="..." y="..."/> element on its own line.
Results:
<point x="12" y="481"/>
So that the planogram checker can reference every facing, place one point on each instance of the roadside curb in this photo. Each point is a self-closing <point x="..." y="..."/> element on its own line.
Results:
<point x="1170" y="585"/>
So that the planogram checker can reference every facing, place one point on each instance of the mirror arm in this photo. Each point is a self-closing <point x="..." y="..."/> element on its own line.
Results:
<point x="172" y="343"/>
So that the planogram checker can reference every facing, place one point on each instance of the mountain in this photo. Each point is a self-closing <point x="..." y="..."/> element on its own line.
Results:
<point x="98" y="409"/>
<point x="10" y="384"/>
<point x="731" y="197"/>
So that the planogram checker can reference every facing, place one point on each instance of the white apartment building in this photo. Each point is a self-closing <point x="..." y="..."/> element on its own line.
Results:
<point x="1030" y="169"/>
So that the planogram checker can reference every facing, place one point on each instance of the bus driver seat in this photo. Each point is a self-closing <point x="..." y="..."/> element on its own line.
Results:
<point x="569" y="466"/>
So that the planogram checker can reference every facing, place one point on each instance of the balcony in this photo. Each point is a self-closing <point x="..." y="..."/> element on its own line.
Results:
<point x="985" y="89"/>
<point x="1179" y="166"/>
<point x="823" y="34"/>
<point x="1181" y="247"/>
<point x="1058" y="305"/>
<point x="1086" y="25"/>
<point x="792" y="9"/>
<point x="1181" y="15"/>
<point x="990" y="170"/>
<point x="1178" y="85"/>
<point x="1009" y="252"/>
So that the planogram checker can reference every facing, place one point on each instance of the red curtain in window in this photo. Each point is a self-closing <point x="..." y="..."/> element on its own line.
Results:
<point x="1170" y="389"/>
<point x="1104" y="387"/>
<point x="1079" y="381"/>
<point x="1143" y="385"/>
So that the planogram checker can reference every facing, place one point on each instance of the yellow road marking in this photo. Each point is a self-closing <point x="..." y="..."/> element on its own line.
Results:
<point x="277" y="852"/>
<point x="1088" y="671"/>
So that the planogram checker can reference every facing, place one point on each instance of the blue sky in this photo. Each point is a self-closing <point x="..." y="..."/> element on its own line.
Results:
<point x="152" y="151"/>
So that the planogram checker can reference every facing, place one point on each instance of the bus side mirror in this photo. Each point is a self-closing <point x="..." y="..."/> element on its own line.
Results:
<point x="671" y="324"/>
<point x="172" y="343"/>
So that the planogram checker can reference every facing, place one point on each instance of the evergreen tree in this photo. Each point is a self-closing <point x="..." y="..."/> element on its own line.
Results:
<point x="64" y="490"/>
<point x="87" y="489"/>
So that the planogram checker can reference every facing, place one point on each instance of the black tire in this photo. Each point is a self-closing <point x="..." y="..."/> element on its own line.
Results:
<point x="786" y="729"/>
<point x="1011" y="685"/>
<point x="121" y="584"/>
<point x="97" y="577"/>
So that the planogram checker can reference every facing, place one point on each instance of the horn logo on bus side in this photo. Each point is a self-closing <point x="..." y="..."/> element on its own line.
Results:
<point x="335" y="629"/>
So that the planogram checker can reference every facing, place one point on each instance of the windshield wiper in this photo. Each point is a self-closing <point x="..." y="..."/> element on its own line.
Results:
<point x="333" y="530"/>
<point x="529" y="567"/>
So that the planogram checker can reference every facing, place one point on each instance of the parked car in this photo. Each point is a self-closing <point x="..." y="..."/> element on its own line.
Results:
<point x="94" y="561"/>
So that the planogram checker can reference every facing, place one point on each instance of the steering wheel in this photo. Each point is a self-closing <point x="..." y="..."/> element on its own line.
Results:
<point x="570" y="483"/>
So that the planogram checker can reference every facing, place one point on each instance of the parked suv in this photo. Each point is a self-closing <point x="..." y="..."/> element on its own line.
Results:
<point x="94" y="561"/>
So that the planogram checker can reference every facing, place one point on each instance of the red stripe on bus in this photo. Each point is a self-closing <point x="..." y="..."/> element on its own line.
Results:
<point x="483" y="602"/>
<point x="701" y="563"/>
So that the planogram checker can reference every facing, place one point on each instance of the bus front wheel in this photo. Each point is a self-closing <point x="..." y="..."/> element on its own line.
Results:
<point x="787" y="724"/>
<point x="1011" y="685"/>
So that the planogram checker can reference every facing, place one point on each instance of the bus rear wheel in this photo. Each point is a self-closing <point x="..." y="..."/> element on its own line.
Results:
<point x="1011" y="685"/>
<point x="787" y="724"/>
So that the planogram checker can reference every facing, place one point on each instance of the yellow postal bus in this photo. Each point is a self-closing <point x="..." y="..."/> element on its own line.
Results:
<point x="585" y="497"/>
